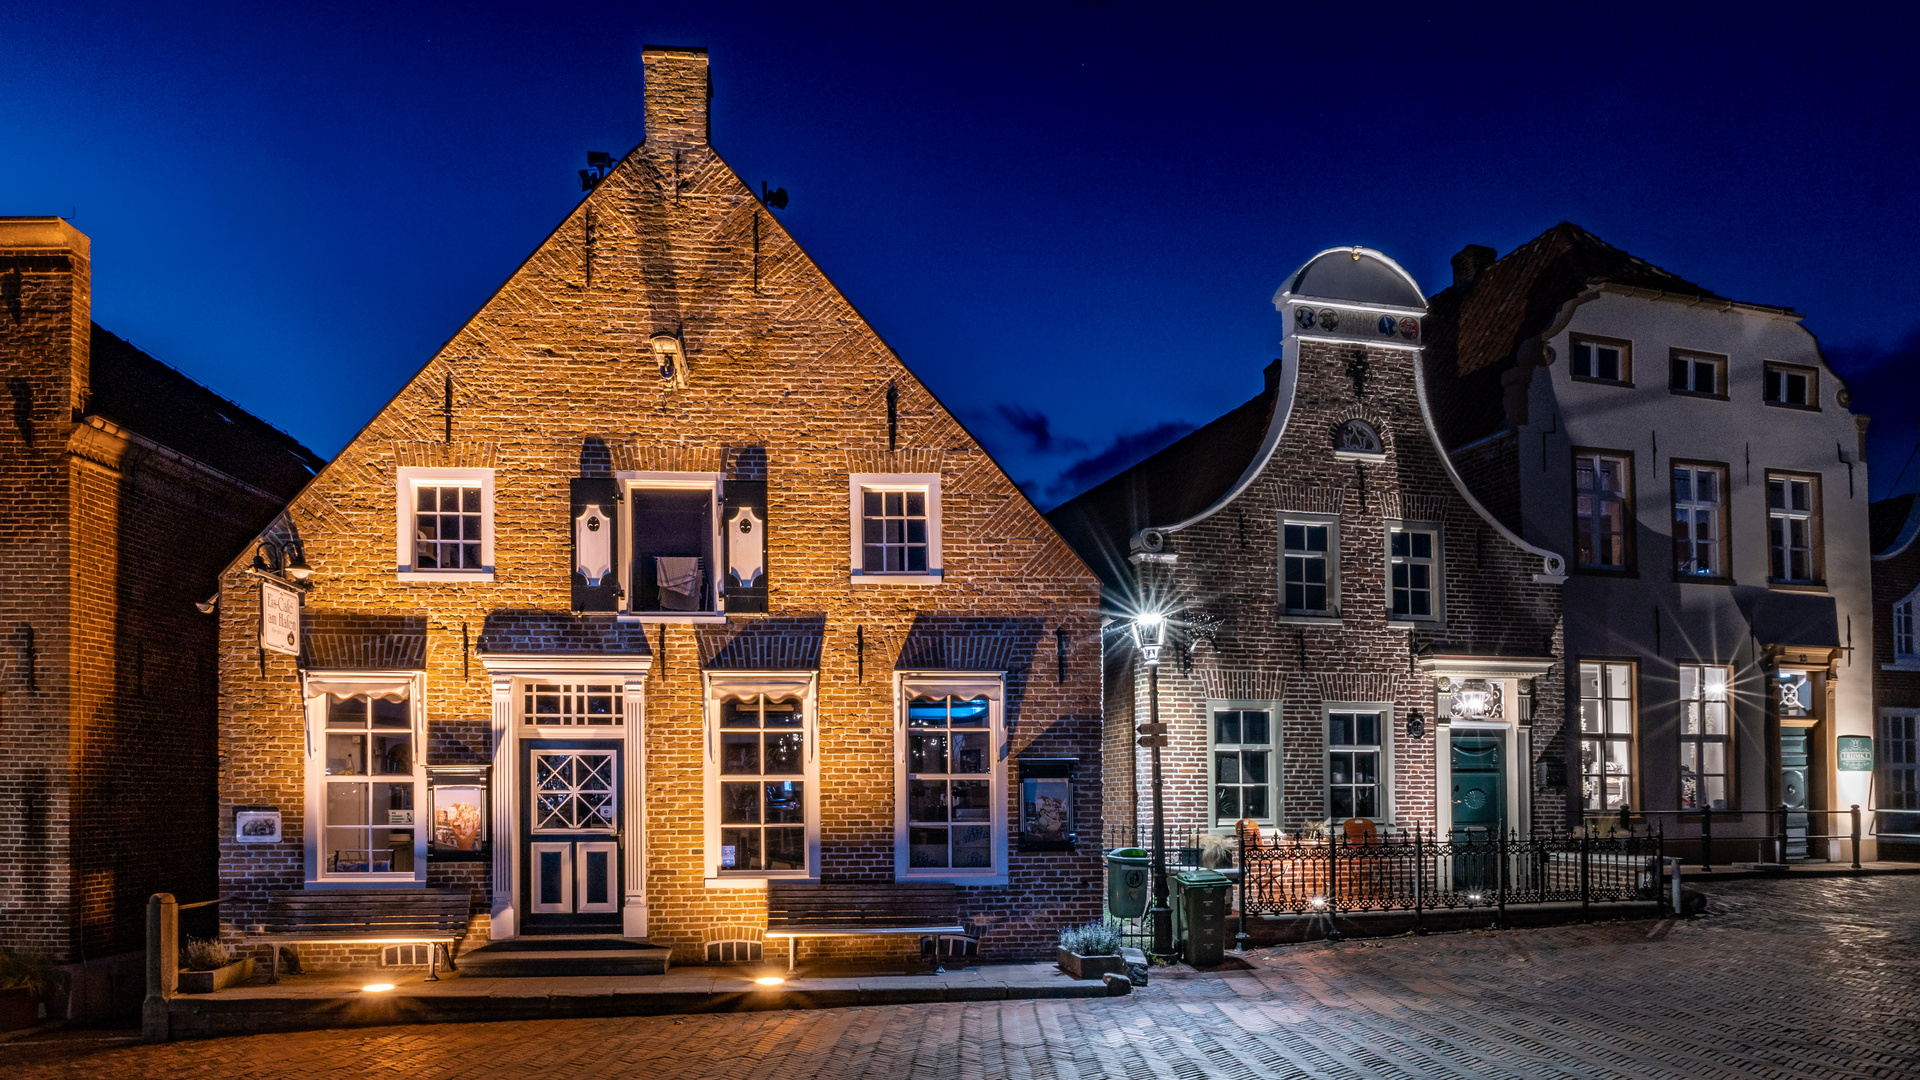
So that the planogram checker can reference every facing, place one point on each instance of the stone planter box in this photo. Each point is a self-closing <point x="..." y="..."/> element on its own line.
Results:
<point x="206" y="982"/>
<point x="1089" y="967"/>
<point x="18" y="1008"/>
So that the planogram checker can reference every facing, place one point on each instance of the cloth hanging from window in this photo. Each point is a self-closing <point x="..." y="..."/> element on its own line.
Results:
<point x="679" y="578"/>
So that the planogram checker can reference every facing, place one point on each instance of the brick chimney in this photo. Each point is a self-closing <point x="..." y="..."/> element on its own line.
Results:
<point x="46" y="324"/>
<point x="678" y="92"/>
<point x="1472" y="261"/>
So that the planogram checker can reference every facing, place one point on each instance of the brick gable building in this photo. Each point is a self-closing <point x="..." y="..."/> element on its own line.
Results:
<point x="1352" y="632"/>
<point x="127" y="487"/>
<point x="1893" y="802"/>
<point x="665" y="580"/>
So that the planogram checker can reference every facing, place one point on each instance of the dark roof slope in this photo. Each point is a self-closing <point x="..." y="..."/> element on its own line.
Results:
<point x="1887" y="521"/>
<point x="1171" y="486"/>
<point x="143" y="395"/>
<point x="1472" y="334"/>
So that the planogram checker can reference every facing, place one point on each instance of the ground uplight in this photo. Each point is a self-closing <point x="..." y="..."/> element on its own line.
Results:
<point x="375" y="988"/>
<point x="770" y="980"/>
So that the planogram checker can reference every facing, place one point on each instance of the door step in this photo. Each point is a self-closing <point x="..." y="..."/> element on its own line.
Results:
<point x="561" y="955"/>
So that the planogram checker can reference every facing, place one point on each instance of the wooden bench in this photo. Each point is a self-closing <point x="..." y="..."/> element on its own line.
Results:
<point x="802" y="909"/>
<point x="436" y="918"/>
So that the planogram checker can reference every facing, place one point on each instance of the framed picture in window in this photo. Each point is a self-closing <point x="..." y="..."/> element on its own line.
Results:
<point x="460" y="812"/>
<point x="1046" y="804"/>
<point x="256" y="826"/>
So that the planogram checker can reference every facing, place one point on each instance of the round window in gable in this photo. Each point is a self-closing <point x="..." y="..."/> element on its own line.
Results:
<point x="1356" y="439"/>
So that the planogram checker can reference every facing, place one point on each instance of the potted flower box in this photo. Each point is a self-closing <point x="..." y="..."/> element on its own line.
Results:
<point x="26" y="979"/>
<point x="1091" y="951"/>
<point x="19" y="1008"/>
<point x="211" y="966"/>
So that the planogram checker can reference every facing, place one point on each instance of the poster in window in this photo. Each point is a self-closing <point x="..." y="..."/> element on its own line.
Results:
<point x="1046" y="812"/>
<point x="459" y="817"/>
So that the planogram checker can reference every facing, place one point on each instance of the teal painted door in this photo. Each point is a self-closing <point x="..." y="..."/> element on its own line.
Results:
<point x="1793" y="788"/>
<point x="1479" y="810"/>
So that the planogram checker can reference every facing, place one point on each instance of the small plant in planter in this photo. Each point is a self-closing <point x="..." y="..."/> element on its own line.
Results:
<point x="208" y="966"/>
<point x="26" y="980"/>
<point x="1091" y="951"/>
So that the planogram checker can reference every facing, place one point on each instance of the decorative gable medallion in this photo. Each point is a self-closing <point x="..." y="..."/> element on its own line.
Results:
<point x="1356" y="440"/>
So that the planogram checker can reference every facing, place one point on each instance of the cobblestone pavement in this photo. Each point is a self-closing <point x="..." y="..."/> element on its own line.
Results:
<point x="1783" y="979"/>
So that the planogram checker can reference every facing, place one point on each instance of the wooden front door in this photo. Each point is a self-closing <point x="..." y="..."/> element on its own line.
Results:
<point x="571" y="833"/>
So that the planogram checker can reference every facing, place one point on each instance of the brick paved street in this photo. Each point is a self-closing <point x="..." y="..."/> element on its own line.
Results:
<point x="1802" y="979"/>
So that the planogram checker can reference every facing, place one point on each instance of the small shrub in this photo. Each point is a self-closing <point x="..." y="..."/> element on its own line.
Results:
<point x="31" y="970"/>
<point x="201" y="954"/>
<point x="1097" y="938"/>
<point x="1217" y="851"/>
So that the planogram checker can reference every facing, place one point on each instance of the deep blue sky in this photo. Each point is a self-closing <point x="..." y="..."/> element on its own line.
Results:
<point x="1068" y="218"/>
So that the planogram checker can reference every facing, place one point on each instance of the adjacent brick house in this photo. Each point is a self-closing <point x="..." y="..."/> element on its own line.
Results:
<point x="1895" y="796"/>
<point x="127" y="488"/>
<point x="1698" y="462"/>
<point x="665" y="579"/>
<point x="1354" y="637"/>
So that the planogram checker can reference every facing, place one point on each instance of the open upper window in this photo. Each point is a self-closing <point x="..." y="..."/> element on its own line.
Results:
<point x="444" y="524"/>
<point x="672" y="544"/>
<point x="894" y="522"/>
<point x="669" y="546"/>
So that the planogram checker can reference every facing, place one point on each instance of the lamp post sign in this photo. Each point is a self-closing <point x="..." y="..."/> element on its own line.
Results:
<point x="279" y="619"/>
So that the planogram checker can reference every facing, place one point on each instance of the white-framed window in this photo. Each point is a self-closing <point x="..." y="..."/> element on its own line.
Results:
<point x="894" y="528"/>
<point x="1245" y="781"/>
<point x="1698" y="494"/>
<point x="1598" y="359"/>
<point x="443" y="524"/>
<point x="1792" y="386"/>
<point x="951" y="796"/>
<point x="366" y="784"/>
<point x="1357" y="766"/>
<point x="1899" y="755"/>
<point x="1903" y="641"/>
<point x="565" y="704"/>
<point x="670" y="548"/>
<point x="1606" y="735"/>
<point x="1702" y="374"/>
<point x="1705" y="737"/>
<point x="1310" y="565"/>
<point x="1602" y="509"/>
<point x="1792" y="529"/>
<point x="1413" y="571"/>
<point x="763" y="779"/>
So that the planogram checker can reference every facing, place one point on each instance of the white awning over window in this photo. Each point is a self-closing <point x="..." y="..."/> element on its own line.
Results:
<point x="383" y="687"/>
<point x="970" y="685"/>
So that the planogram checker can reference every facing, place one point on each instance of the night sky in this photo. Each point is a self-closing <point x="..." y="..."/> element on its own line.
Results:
<point x="1068" y="218"/>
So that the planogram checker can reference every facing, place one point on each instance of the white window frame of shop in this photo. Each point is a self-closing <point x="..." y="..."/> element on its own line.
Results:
<point x="409" y="480"/>
<point x="1899" y="760"/>
<point x="1706" y="693"/>
<point x="858" y="484"/>
<point x="634" y="486"/>
<point x="1604" y="735"/>
<point x="1215" y="748"/>
<point x="1383" y="749"/>
<point x="1781" y="520"/>
<point x="750" y="686"/>
<point x="1410" y="529"/>
<point x="962" y="685"/>
<point x="1906" y="656"/>
<point x="1330" y="559"/>
<point x="320" y="688"/>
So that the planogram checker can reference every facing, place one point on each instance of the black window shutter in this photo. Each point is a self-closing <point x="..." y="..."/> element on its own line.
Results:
<point x="596" y="514"/>
<point x="743" y="529"/>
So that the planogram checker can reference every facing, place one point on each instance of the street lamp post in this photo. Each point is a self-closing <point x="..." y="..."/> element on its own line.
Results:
<point x="1149" y="634"/>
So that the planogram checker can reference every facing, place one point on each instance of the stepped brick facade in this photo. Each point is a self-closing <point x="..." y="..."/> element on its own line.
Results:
<point x="668" y="341"/>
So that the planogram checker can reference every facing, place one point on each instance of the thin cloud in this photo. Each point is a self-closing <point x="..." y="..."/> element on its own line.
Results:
<point x="1037" y="429"/>
<point x="1127" y="449"/>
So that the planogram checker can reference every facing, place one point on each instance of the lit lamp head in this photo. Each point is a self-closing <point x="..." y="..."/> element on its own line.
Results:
<point x="1149" y="633"/>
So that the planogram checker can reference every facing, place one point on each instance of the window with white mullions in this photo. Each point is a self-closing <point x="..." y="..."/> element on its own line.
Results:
<point x="574" y="791"/>
<point x="1606" y="735"/>
<point x="1900" y="762"/>
<point x="1411" y="564"/>
<point x="1694" y="373"/>
<point x="1353" y="765"/>
<point x="573" y="704"/>
<point x="1696" y="520"/>
<point x="1704" y="737"/>
<point x="763" y="752"/>
<point x="1242" y="765"/>
<point x="1794" y="386"/>
<point x="949" y="783"/>
<point x="370" y="783"/>
<point x="1790" y="529"/>
<point x="1601" y="359"/>
<point x="1305" y="567"/>
<point x="1601" y="510"/>
<point x="893" y="532"/>
<point x="1903" y="629"/>
<point x="446" y="527"/>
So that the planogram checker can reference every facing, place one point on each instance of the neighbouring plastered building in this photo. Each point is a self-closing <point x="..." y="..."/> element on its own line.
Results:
<point x="1697" y="460"/>
<point x="664" y="580"/>
<point x="1353" y="637"/>
<point x="127" y="487"/>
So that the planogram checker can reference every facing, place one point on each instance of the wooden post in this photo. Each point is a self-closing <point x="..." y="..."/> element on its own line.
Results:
<point x="163" y="966"/>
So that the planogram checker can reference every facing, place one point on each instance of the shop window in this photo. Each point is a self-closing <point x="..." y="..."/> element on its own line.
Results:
<point x="1606" y="736"/>
<point x="445" y="524"/>
<point x="952" y="817"/>
<point x="895" y="527"/>
<point x="369" y="788"/>
<point x="1243" y="760"/>
<point x="1705" y="737"/>
<point x="763" y="805"/>
<point x="1900" y="762"/>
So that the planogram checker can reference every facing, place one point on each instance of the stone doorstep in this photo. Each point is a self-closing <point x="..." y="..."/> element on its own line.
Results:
<point x="330" y="1000"/>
